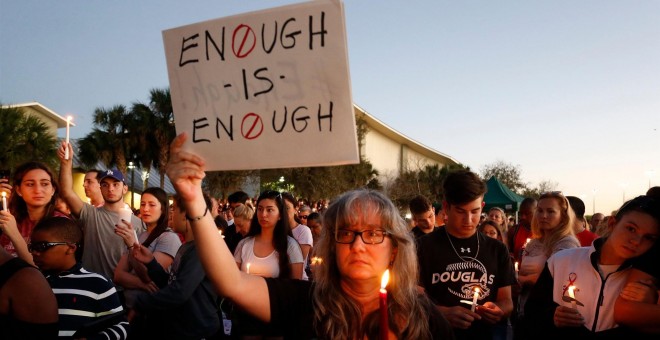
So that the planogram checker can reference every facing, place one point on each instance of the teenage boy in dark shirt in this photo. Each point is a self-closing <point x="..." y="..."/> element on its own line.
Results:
<point x="456" y="262"/>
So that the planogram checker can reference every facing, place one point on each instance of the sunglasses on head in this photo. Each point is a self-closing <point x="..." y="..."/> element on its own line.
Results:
<point x="44" y="246"/>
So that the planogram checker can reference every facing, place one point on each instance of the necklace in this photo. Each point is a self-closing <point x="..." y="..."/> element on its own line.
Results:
<point x="468" y="249"/>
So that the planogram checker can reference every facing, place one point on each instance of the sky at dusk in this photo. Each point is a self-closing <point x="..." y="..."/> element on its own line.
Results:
<point x="567" y="90"/>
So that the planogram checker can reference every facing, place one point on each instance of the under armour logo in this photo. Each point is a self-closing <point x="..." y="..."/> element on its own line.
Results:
<point x="465" y="249"/>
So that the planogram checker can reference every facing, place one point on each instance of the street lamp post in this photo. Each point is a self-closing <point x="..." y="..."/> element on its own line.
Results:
<point x="593" y="202"/>
<point x="650" y="173"/>
<point x="132" y="167"/>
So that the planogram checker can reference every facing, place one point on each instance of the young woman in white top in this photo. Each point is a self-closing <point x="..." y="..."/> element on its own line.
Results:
<point x="552" y="231"/>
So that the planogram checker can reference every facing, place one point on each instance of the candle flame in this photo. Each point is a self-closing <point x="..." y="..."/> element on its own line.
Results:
<point x="476" y="290"/>
<point x="571" y="291"/>
<point x="317" y="260"/>
<point x="4" y="194"/>
<point x="385" y="279"/>
<point x="69" y="119"/>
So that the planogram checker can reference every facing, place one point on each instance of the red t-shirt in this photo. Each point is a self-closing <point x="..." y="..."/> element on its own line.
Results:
<point x="519" y="240"/>
<point x="25" y="227"/>
<point x="586" y="237"/>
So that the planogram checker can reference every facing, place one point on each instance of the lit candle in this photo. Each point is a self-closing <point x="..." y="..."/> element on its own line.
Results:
<point x="384" y="324"/>
<point x="571" y="294"/>
<point x="516" y="267"/>
<point x="66" y="147"/>
<point x="475" y="297"/>
<point x="525" y="245"/>
<point x="4" y="200"/>
<point x="248" y="267"/>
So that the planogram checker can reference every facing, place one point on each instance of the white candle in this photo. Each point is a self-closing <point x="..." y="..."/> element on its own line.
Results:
<point x="4" y="200"/>
<point x="516" y="267"/>
<point x="571" y="294"/>
<point x="475" y="297"/>
<point x="248" y="267"/>
<point x="66" y="148"/>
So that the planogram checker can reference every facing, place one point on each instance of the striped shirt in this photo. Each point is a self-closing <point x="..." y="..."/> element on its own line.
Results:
<point x="82" y="297"/>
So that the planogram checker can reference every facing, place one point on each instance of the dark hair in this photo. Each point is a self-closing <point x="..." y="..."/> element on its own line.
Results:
<point x="644" y="204"/>
<point x="289" y="197"/>
<point x="528" y="201"/>
<point x="280" y="234"/>
<point x="96" y="171"/>
<point x="494" y="225"/>
<point x="17" y="205"/>
<point x="294" y="202"/>
<point x="238" y="197"/>
<point x="221" y="223"/>
<point x="161" y="224"/>
<point x="654" y="192"/>
<point x="316" y="217"/>
<point x="463" y="186"/>
<point x="419" y="205"/>
<point x="578" y="206"/>
<point x="64" y="228"/>
<point x="179" y="202"/>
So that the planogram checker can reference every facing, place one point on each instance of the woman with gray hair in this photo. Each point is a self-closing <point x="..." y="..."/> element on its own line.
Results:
<point x="363" y="236"/>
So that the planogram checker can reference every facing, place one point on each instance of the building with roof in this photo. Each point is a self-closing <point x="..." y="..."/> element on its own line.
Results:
<point x="52" y="120"/>
<point x="389" y="152"/>
<point x="392" y="153"/>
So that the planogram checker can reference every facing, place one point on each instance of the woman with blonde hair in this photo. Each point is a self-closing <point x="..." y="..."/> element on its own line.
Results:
<point x="497" y="215"/>
<point x="363" y="236"/>
<point x="242" y="218"/>
<point x="552" y="231"/>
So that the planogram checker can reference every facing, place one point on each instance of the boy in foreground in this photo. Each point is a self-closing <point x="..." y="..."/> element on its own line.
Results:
<point x="82" y="297"/>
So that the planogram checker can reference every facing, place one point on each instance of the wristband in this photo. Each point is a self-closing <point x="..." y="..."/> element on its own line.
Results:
<point x="197" y="218"/>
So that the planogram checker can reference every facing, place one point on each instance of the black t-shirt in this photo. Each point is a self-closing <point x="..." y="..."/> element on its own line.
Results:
<point x="418" y="233"/>
<point x="450" y="269"/>
<point x="291" y="311"/>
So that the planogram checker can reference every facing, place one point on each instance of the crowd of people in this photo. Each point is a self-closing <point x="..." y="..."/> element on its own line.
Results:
<point x="276" y="267"/>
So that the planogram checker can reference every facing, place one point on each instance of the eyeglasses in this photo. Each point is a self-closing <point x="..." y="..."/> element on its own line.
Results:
<point x="303" y="217"/>
<point x="374" y="236"/>
<point x="44" y="246"/>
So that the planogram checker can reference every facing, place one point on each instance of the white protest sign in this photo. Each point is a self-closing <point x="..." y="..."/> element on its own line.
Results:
<point x="267" y="89"/>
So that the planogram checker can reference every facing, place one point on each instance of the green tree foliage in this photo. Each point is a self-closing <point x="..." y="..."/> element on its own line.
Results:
<point x="108" y="141"/>
<point x="223" y="183"/>
<point x="141" y="135"/>
<point x="508" y="174"/>
<point x="544" y="186"/>
<point x="427" y="182"/>
<point x="24" y="138"/>
<point x="152" y="130"/>
<point x="314" y="183"/>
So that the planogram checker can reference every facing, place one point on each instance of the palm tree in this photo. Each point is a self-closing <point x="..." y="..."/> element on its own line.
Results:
<point x="154" y="124"/>
<point x="160" y="102"/>
<point x="24" y="137"/>
<point x="108" y="141"/>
